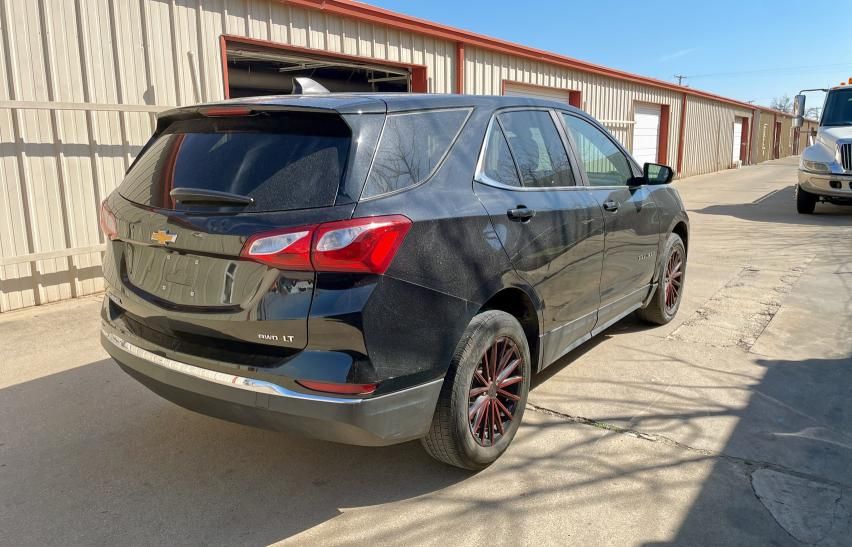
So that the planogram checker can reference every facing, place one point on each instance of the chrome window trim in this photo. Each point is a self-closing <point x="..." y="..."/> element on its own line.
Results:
<point x="437" y="165"/>
<point x="232" y="380"/>
<point x="482" y="178"/>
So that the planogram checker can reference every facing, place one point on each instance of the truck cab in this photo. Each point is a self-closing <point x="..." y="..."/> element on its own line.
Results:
<point x="825" y="169"/>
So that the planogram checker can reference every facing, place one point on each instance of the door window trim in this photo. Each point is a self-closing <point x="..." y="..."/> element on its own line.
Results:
<point x="482" y="178"/>
<point x="631" y="162"/>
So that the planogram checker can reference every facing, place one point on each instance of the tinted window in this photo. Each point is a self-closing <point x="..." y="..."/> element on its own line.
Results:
<point x="537" y="148"/>
<point x="838" y="108"/>
<point x="498" y="164"/>
<point x="604" y="163"/>
<point x="411" y="146"/>
<point x="291" y="161"/>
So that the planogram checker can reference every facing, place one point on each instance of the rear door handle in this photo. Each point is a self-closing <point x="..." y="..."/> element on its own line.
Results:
<point x="521" y="214"/>
<point x="610" y="205"/>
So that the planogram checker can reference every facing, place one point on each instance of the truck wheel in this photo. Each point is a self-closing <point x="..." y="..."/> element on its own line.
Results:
<point x="805" y="201"/>
<point x="666" y="300"/>
<point x="484" y="393"/>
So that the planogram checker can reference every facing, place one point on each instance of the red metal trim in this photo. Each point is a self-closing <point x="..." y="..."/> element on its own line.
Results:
<point x="575" y="99"/>
<point x="419" y="78"/>
<point x="459" y="67"/>
<point x="681" y="134"/>
<point x="372" y="14"/>
<point x="750" y="137"/>
<point x="663" y="138"/>
<point x="744" y="141"/>
<point x="223" y="52"/>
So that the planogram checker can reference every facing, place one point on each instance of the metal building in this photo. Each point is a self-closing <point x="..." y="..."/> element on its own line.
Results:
<point x="82" y="80"/>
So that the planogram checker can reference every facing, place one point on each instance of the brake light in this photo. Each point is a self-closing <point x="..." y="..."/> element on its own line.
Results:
<point x="217" y="112"/>
<point x="108" y="222"/>
<point x="365" y="245"/>
<point x="339" y="389"/>
<point x="286" y="250"/>
<point x="359" y="245"/>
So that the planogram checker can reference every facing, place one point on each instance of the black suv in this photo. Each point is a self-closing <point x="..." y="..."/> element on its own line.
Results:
<point x="371" y="269"/>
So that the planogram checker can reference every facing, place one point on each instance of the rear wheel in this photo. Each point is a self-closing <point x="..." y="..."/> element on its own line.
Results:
<point x="805" y="201"/>
<point x="666" y="300"/>
<point x="484" y="393"/>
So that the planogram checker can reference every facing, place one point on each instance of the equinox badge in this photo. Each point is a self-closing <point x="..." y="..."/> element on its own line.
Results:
<point x="163" y="237"/>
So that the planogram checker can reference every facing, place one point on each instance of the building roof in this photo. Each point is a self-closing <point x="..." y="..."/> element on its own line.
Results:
<point x="373" y="14"/>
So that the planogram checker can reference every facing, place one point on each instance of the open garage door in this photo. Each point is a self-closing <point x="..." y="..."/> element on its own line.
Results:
<point x="646" y="133"/>
<point x="255" y="69"/>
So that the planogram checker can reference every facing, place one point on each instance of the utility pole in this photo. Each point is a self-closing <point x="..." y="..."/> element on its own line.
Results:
<point x="680" y="78"/>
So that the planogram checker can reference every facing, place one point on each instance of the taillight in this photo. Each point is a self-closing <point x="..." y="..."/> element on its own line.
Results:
<point x="340" y="389"/>
<point x="365" y="245"/>
<point x="286" y="250"/>
<point x="359" y="245"/>
<point x="223" y="111"/>
<point x="109" y="225"/>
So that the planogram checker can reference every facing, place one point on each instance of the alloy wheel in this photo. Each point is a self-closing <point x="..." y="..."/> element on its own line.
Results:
<point x="495" y="391"/>
<point x="673" y="280"/>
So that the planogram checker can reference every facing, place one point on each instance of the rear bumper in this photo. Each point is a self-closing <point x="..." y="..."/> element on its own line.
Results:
<point x="372" y="421"/>
<point x="821" y="184"/>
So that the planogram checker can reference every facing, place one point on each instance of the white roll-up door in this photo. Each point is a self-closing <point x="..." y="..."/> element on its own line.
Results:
<point x="737" y="141"/>
<point x="553" y="94"/>
<point x="646" y="132"/>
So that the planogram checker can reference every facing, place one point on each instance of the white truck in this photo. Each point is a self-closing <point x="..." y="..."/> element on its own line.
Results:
<point x="825" y="170"/>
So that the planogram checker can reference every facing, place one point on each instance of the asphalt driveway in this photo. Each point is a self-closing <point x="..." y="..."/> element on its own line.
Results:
<point x="730" y="426"/>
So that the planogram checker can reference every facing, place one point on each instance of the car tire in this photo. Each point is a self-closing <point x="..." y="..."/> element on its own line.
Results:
<point x="805" y="201"/>
<point x="474" y="421"/>
<point x="664" y="304"/>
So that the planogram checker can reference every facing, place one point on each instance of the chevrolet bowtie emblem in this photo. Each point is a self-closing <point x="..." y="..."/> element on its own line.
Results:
<point x="163" y="237"/>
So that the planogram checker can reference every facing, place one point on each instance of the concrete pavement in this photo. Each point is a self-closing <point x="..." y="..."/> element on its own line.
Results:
<point x="730" y="426"/>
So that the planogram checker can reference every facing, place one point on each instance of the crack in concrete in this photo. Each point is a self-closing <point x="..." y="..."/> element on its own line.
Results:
<point x="751" y="465"/>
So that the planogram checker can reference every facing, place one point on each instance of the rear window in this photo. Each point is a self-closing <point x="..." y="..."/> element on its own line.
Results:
<point x="282" y="161"/>
<point x="411" y="147"/>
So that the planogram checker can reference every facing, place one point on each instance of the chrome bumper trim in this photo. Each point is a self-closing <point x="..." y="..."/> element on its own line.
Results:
<point x="241" y="382"/>
<point x="222" y="378"/>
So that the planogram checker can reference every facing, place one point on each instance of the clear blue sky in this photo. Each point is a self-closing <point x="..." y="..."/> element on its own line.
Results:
<point x="706" y="40"/>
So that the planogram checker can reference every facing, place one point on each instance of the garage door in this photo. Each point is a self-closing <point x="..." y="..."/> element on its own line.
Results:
<point x="517" y="90"/>
<point x="646" y="133"/>
<point x="737" y="141"/>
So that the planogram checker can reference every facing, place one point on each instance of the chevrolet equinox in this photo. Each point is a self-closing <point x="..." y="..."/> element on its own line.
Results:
<point x="372" y="269"/>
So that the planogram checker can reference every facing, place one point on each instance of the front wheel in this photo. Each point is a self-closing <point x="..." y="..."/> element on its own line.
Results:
<point x="805" y="201"/>
<point x="484" y="393"/>
<point x="666" y="300"/>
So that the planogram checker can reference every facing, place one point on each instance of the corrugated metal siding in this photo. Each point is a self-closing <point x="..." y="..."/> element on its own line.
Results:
<point x="57" y="161"/>
<point x="607" y="99"/>
<point x="709" y="135"/>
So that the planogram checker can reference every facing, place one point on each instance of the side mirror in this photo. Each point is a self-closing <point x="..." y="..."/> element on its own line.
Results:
<point x="654" y="173"/>
<point x="798" y="110"/>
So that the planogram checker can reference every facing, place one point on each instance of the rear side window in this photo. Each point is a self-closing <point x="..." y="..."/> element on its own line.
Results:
<point x="282" y="161"/>
<point x="411" y="147"/>
<point x="537" y="148"/>
<point x="498" y="164"/>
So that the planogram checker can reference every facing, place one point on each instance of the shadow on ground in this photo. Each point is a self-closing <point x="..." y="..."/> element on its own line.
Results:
<point x="780" y="206"/>
<point x="127" y="465"/>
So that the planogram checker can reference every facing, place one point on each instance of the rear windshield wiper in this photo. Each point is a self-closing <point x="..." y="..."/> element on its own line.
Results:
<point x="201" y="195"/>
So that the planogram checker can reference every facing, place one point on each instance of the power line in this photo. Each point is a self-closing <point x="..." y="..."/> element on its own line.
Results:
<point x="776" y="69"/>
<point x="680" y="78"/>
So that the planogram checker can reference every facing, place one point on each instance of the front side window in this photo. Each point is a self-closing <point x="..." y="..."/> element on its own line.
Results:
<point x="537" y="148"/>
<point x="411" y="147"/>
<point x="603" y="161"/>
